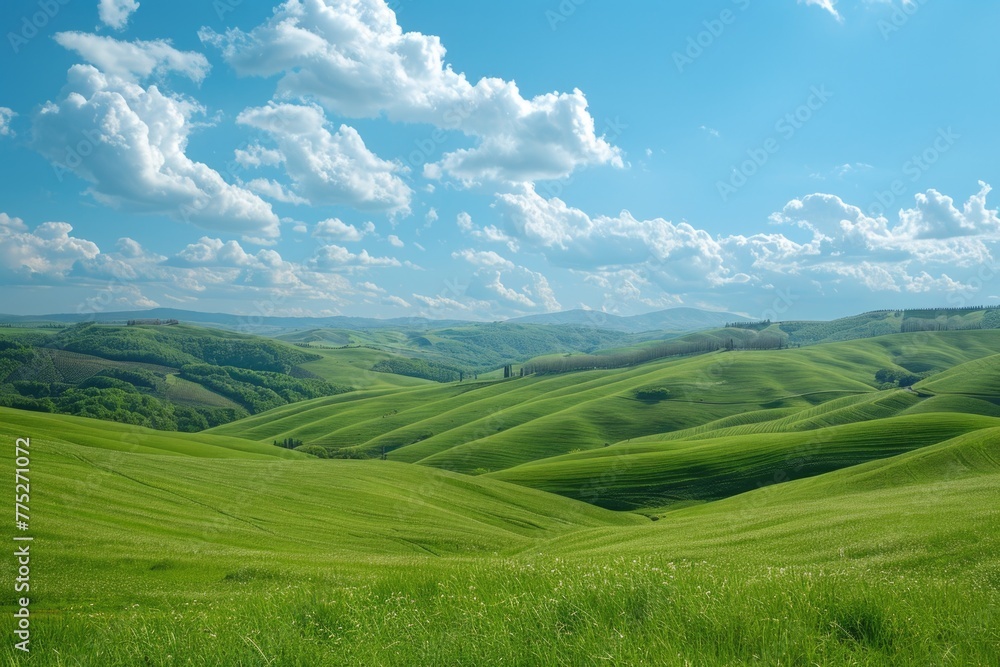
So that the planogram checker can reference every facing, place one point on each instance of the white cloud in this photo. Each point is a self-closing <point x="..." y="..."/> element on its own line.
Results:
<point x="134" y="61"/>
<point x="831" y="249"/>
<point x="257" y="156"/>
<point x="47" y="252"/>
<point x="353" y="57"/>
<point x="214" y="252"/>
<point x="508" y="294"/>
<point x="710" y="131"/>
<point x="396" y="301"/>
<point x="464" y="221"/>
<point x="209" y="268"/>
<point x="275" y="190"/>
<point x="936" y="217"/>
<point x="934" y="230"/>
<point x="570" y="237"/>
<point x="828" y="5"/>
<point x="371" y="287"/>
<point x="333" y="257"/>
<point x="116" y="13"/>
<point x="395" y="241"/>
<point x="491" y="272"/>
<point x="6" y="115"/>
<point x="481" y="258"/>
<point x="120" y="297"/>
<point x="325" y="167"/>
<point x="129" y="142"/>
<point x="338" y="230"/>
<point x="431" y="217"/>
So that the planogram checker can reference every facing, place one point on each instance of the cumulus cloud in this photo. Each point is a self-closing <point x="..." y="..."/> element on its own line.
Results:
<point x="6" y="115"/>
<point x="116" y="13"/>
<point x="395" y="241"/>
<point x="936" y="217"/>
<point x="827" y="246"/>
<point x="334" y="257"/>
<point x="572" y="238"/>
<point x="276" y="191"/>
<point x="257" y="156"/>
<point x="129" y="143"/>
<point x="494" y="276"/>
<point x="337" y="229"/>
<point x="134" y="61"/>
<point x="130" y="276"/>
<point x="326" y="167"/>
<point x="354" y="58"/>
<point x="482" y="258"/>
<point x="47" y="252"/>
<point x="934" y="230"/>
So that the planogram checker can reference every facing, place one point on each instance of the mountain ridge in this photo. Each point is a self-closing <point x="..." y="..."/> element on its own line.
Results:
<point x="676" y="319"/>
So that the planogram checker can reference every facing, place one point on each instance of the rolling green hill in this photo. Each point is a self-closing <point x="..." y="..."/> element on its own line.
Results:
<point x="475" y="348"/>
<point x="213" y="561"/>
<point x="480" y="427"/>
<point x="648" y="474"/>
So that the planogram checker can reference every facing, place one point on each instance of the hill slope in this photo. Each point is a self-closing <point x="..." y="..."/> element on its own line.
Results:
<point x="360" y="563"/>
<point x="477" y="427"/>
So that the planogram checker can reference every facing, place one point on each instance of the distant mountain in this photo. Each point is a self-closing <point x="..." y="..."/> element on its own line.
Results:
<point x="673" y="319"/>
<point x="249" y="323"/>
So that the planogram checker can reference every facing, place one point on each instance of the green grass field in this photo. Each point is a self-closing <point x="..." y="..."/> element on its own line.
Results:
<point x="487" y="427"/>
<point x="785" y="513"/>
<point x="185" y="392"/>
<point x="352" y="367"/>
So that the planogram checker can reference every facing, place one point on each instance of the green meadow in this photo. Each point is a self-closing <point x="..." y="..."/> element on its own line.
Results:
<point x="774" y="507"/>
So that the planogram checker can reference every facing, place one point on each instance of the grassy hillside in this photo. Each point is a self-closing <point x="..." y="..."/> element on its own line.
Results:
<point x="649" y="474"/>
<point x="353" y="367"/>
<point x="109" y="436"/>
<point x="139" y="557"/>
<point x="474" y="348"/>
<point x="172" y="378"/>
<point x="480" y="427"/>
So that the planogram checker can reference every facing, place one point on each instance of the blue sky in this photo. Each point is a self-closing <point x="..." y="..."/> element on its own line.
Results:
<point x="780" y="159"/>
